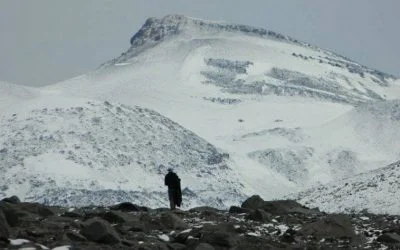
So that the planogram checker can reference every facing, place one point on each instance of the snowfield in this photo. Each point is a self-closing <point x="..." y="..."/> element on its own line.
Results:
<point x="375" y="192"/>
<point x="11" y="94"/>
<point x="55" y="155"/>
<point x="288" y="114"/>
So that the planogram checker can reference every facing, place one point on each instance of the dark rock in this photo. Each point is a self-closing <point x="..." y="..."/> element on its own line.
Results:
<point x="209" y="215"/>
<point x="277" y="206"/>
<point x="219" y="238"/>
<point x="254" y="202"/>
<point x="286" y="206"/>
<point x="258" y="215"/>
<point x="238" y="210"/>
<point x="12" y="213"/>
<point x="113" y="217"/>
<point x="389" y="238"/>
<point x="172" y="221"/>
<point x="204" y="246"/>
<point x="148" y="223"/>
<point x="4" y="227"/>
<point x="288" y="236"/>
<point x="176" y="246"/>
<point x="131" y="244"/>
<point x="202" y="209"/>
<point x="37" y="232"/>
<point x="73" y="236"/>
<point x="215" y="158"/>
<point x="228" y="227"/>
<point x="153" y="245"/>
<point x="36" y="208"/>
<point x="74" y="214"/>
<point x="126" y="207"/>
<point x="332" y="226"/>
<point x="13" y="199"/>
<point x="91" y="212"/>
<point x="260" y="243"/>
<point x="99" y="230"/>
<point x="4" y="242"/>
<point x="182" y="236"/>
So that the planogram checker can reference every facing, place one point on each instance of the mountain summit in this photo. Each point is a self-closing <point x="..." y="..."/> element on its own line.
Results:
<point x="158" y="29"/>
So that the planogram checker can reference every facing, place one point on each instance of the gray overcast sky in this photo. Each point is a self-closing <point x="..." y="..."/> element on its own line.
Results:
<point x="45" y="41"/>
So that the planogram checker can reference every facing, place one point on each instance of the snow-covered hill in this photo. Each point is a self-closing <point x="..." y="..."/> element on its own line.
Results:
<point x="89" y="152"/>
<point x="12" y="94"/>
<point x="376" y="191"/>
<point x="276" y="105"/>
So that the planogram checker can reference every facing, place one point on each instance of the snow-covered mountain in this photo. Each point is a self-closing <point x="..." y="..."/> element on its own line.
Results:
<point x="12" y="94"/>
<point x="280" y="108"/>
<point x="376" y="191"/>
<point x="86" y="152"/>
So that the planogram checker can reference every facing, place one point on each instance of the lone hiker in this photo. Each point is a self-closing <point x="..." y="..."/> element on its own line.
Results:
<point x="174" y="189"/>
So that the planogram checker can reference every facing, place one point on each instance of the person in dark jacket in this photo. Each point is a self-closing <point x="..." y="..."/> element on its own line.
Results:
<point x="174" y="189"/>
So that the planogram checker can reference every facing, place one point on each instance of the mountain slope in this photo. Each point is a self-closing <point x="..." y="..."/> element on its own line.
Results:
<point x="87" y="152"/>
<point x="260" y="96"/>
<point x="376" y="191"/>
<point x="282" y="110"/>
<point x="12" y="94"/>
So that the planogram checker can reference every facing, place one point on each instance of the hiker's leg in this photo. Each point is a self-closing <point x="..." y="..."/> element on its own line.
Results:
<point x="171" y="199"/>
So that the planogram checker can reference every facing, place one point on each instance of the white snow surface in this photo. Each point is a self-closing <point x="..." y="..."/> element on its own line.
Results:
<point x="17" y="242"/>
<point x="280" y="108"/>
<point x="12" y="94"/>
<point x="376" y="191"/>
<point x="100" y="153"/>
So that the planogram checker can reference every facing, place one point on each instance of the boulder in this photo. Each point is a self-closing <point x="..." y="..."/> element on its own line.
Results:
<point x="12" y="213"/>
<point x="238" y="210"/>
<point x="73" y="236"/>
<point x="204" y="208"/>
<point x="177" y="246"/>
<point x="288" y="236"/>
<point x="75" y="213"/>
<point x="172" y="221"/>
<point x="389" y="238"/>
<point x="204" y="246"/>
<point x="4" y="227"/>
<point x="181" y="237"/>
<point x="126" y="207"/>
<point x="99" y="230"/>
<point x="13" y="199"/>
<point x="219" y="238"/>
<point x="258" y="215"/>
<point x="113" y="217"/>
<point x="279" y="207"/>
<point x="331" y="226"/>
<point x="254" y="202"/>
<point x="35" y="208"/>
<point x="223" y="234"/>
<point x="130" y="244"/>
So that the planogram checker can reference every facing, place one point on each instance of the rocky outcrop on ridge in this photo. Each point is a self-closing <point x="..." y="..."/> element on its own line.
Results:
<point x="256" y="224"/>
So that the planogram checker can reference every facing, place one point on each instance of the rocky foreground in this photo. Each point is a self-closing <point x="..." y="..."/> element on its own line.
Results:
<point x="256" y="224"/>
